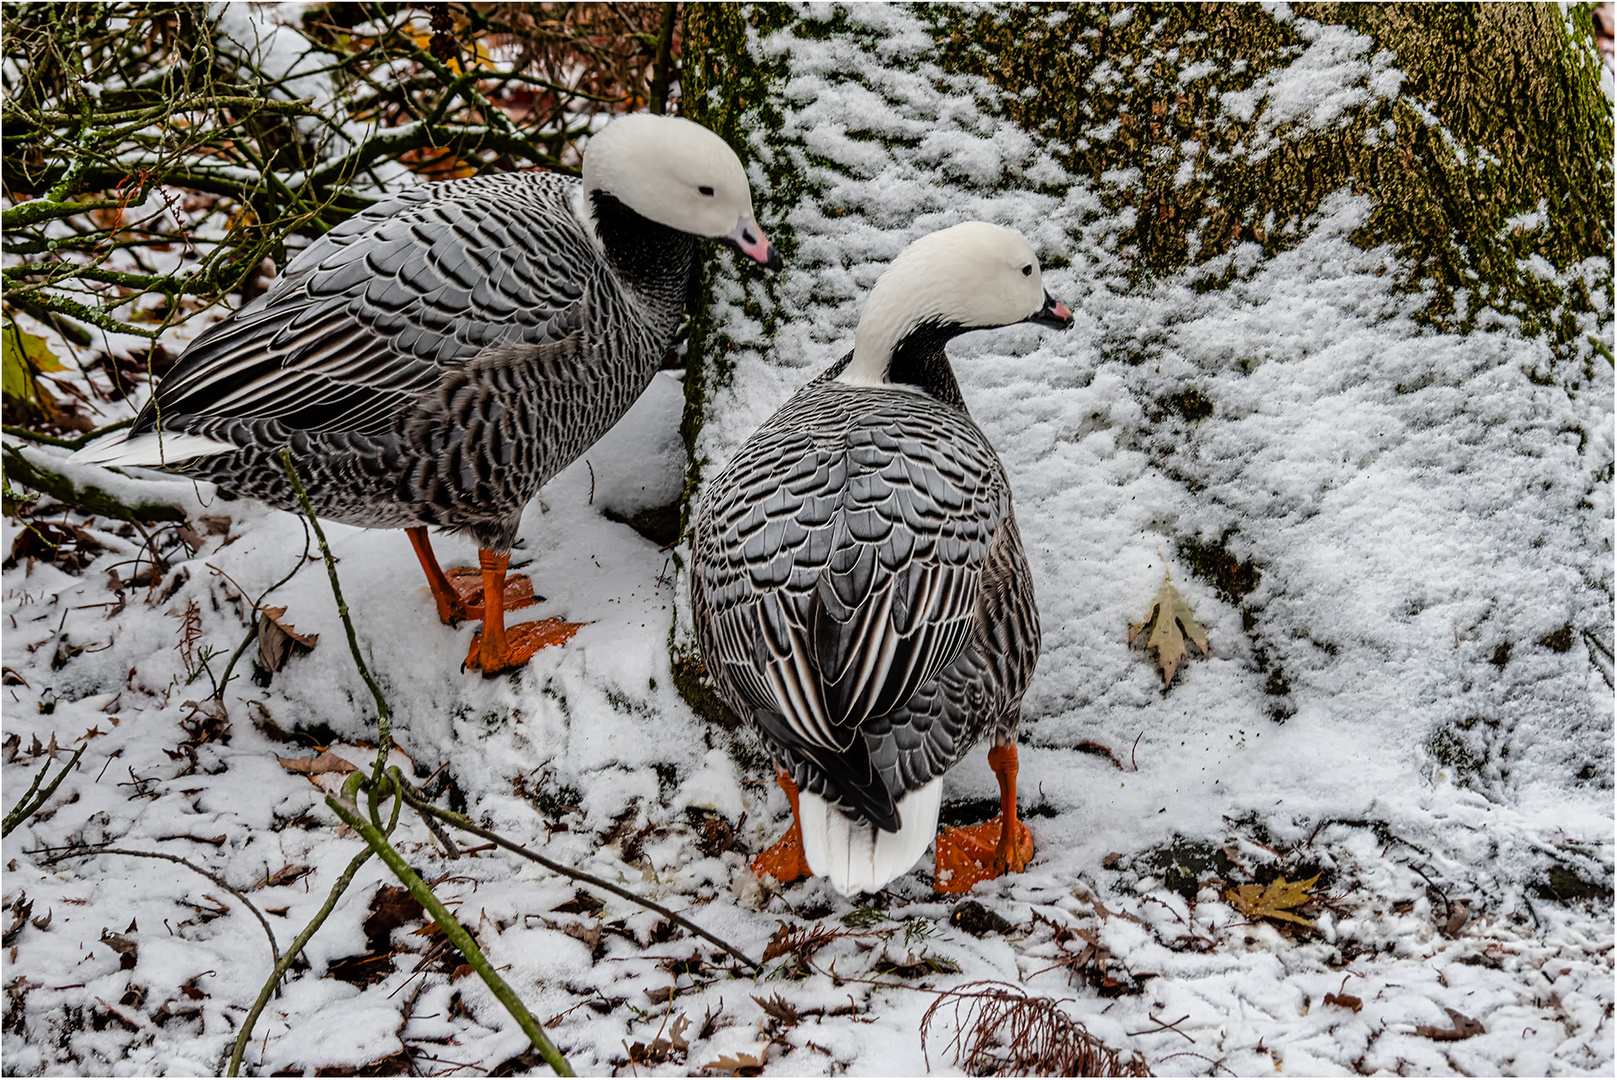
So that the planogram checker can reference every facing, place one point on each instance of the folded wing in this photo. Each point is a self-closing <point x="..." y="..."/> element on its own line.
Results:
<point x="840" y="590"/>
<point x="374" y="312"/>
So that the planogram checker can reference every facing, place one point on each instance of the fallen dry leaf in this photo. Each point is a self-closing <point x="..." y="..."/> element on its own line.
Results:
<point x="316" y="766"/>
<point x="660" y="1049"/>
<point x="277" y="637"/>
<point x="741" y="1064"/>
<point x="1274" y="902"/>
<point x="1170" y="621"/>
<point x="779" y="1008"/>
<point x="1464" y="1027"/>
<point x="1347" y="1001"/>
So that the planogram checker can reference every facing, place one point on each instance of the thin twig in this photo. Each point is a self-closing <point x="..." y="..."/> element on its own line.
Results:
<point x="25" y="809"/>
<point x="252" y="631"/>
<point x="86" y="852"/>
<point x="337" y="889"/>
<point x="461" y="821"/>
<point x="384" y="738"/>
<point x="349" y="812"/>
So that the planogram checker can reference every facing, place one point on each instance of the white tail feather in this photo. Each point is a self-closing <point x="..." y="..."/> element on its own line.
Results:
<point x="857" y="856"/>
<point x="149" y="449"/>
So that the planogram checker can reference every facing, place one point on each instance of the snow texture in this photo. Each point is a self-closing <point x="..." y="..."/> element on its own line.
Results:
<point x="1412" y="504"/>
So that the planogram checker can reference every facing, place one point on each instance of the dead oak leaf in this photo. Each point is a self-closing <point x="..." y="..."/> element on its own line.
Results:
<point x="277" y="638"/>
<point x="740" y="1063"/>
<point x="779" y="1008"/>
<point x="661" y="1048"/>
<point x="1463" y="1028"/>
<point x="1273" y="902"/>
<point x="1170" y="621"/>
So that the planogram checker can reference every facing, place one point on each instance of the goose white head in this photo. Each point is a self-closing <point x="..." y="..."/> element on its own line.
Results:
<point x="679" y="174"/>
<point x="970" y="276"/>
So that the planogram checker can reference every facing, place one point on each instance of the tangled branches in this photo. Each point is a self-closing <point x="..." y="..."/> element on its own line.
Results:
<point x="159" y="156"/>
<point x="1001" y="1030"/>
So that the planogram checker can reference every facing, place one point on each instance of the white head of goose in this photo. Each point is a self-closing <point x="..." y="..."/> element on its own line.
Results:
<point x="973" y="276"/>
<point x="859" y="588"/>
<point x="675" y="173"/>
<point x="436" y="358"/>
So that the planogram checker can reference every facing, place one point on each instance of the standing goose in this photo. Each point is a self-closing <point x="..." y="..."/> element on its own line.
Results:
<point x="859" y="591"/>
<point x="435" y="359"/>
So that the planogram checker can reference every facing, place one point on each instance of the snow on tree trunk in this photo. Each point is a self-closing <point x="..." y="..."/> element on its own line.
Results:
<point x="1342" y="368"/>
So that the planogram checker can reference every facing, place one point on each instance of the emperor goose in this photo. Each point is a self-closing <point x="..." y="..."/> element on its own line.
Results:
<point x="435" y="359"/>
<point x="859" y="589"/>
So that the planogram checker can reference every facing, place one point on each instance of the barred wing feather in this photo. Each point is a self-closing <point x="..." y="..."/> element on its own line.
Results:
<point x="372" y="314"/>
<point x="840" y="569"/>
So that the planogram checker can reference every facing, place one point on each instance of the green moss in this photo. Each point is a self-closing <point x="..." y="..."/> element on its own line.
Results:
<point x="725" y="89"/>
<point x="1564" y="883"/>
<point x="691" y="681"/>
<point x="1516" y="110"/>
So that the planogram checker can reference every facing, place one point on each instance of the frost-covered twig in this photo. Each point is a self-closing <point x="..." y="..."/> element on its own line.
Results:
<point x="26" y="808"/>
<point x="86" y="852"/>
<point x="67" y="444"/>
<point x="384" y="736"/>
<point x="461" y="821"/>
<point x="452" y="929"/>
<point x="270" y="985"/>
<point x="88" y="498"/>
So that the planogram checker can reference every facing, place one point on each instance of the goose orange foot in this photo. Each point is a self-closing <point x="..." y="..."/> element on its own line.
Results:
<point x="467" y="583"/>
<point x="459" y="593"/>
<point x="983" y="852"/>
<point x="785" y="861"/>
<point x="974" y="853"/>
<point x="497" y="648"/>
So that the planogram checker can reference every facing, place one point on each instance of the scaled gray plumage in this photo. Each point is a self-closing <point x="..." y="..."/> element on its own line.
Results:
<point x="859" y="558"/>
<point x="436" y="358"/>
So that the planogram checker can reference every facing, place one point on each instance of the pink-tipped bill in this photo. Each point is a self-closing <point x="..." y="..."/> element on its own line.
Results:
<point x="750" y="240"/>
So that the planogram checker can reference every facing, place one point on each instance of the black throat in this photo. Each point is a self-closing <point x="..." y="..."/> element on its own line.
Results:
<point x="920" y="360"/>
<point x="658" y="262"/>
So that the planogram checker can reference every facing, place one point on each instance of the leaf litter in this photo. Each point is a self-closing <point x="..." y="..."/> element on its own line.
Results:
<point x="580" y="710"/>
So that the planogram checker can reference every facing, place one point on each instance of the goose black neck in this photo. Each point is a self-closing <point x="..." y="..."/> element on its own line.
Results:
<point x="919" y="360"/>
<point x="657" y="261"/>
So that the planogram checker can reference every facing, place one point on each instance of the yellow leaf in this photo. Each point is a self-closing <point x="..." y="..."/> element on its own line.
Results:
<point x="1274" y="902"/>
<point x="24" y="357"/>
<point x="1170" y="620"/>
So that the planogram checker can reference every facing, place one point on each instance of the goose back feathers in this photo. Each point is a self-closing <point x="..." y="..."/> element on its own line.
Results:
<point x="436" y="358"/>
<point x="859" y="587"/>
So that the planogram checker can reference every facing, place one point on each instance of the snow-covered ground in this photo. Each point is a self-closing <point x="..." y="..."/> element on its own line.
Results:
<point x="1387" y="705"/>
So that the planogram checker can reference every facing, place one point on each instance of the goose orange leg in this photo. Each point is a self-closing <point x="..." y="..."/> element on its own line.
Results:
<point x="785" y="861"/>
<point x="459" y="593"/>
<point x="983" y="852"/>
<point x="496" y="648"/>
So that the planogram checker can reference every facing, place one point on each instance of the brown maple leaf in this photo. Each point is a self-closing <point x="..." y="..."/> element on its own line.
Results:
<point x="1170" y="621"/>
<point x="1274" y="902"/>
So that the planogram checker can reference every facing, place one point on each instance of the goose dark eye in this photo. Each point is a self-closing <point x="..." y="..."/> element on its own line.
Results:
<point x="705" y="190"/>
<point x="1027" y="271"/>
